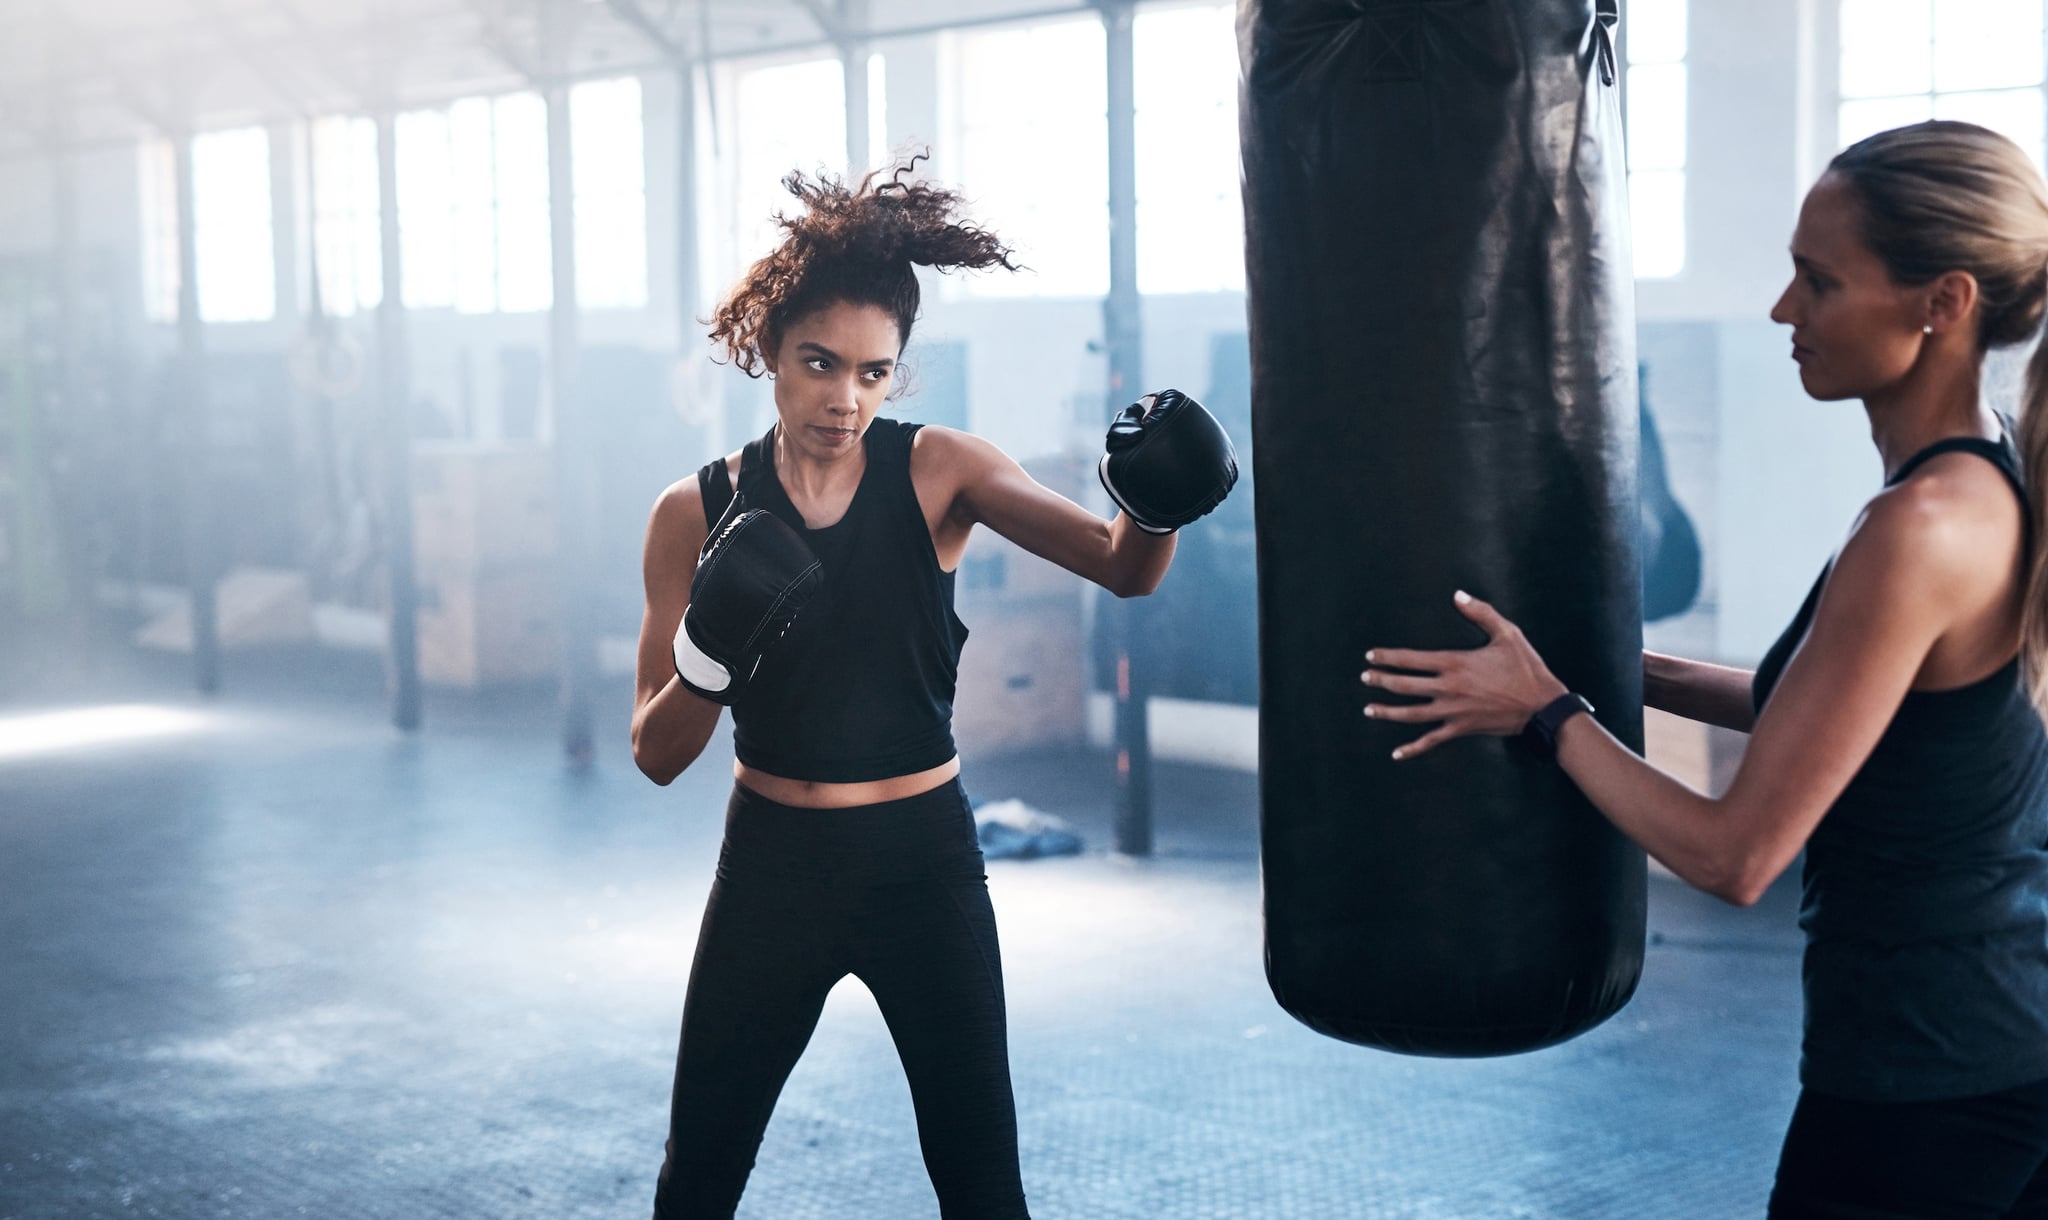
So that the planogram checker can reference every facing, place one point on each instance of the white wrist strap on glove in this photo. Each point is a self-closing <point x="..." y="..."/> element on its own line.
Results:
<point x="1102" y="472"/>
<point x="696" y="666"/>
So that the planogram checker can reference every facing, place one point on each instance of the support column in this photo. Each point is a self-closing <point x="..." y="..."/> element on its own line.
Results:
<point x="77" y="571"/>
<point x="575" y="472"/>
<point x="394" y="384"/>
<point x="853" y="63"/>
<point x="1124" y="340"/>
<point x="689" y="268"/>
<point x="286" y="207"/>
<point x="201" y="568"/>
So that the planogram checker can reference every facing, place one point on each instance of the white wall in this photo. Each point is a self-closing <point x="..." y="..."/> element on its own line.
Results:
<point x="1794" y="472"/>
<point x="1773" y="477"/>
<point x="1744" y="179"/>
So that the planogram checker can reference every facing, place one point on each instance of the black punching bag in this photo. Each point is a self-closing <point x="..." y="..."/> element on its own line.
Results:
<point x="1443" y="397"/>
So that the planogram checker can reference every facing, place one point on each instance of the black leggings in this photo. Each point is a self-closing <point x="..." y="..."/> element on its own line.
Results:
<point x="891" y="893"/>
<point x="1983" y="1156"/>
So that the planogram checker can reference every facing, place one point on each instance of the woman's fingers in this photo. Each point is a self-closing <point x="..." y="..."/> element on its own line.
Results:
<point x="1410" y="658"/>
<point x="1463" y="691"/>
<point x="1405" y="713"/>
<point x="1489" y="619"/>
<point x="1401" y="684"/>
<point x="1427" y="742"/>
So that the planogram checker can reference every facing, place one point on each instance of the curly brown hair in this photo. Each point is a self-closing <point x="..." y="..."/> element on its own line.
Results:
<point x="858" y="243"/>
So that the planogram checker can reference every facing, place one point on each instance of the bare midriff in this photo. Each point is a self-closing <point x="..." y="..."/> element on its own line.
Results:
<point x="808" y="794"/>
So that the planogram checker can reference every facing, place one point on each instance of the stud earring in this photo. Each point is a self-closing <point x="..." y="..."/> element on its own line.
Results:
<point x="1927" y="330"/>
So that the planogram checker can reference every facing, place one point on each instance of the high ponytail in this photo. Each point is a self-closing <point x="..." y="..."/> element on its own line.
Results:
<point x="1946" y="196"/>
<point x="858" y="243"/>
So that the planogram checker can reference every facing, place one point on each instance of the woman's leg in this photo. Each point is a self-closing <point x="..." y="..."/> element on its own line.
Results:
<point x="760" y="978"/>
<point x="928" y="952"/>
<point x="1970" y="1157"/>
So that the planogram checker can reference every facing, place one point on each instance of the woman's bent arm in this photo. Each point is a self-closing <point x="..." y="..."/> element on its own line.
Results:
<point x="670" y="722"/>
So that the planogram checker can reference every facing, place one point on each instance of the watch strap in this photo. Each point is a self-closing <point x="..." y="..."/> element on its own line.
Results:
<point x="1545" y="725"/>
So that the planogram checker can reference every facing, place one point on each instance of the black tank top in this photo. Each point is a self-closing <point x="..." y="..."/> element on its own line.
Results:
<point x="862" y="686"/>
<point x="1925" y="900"/>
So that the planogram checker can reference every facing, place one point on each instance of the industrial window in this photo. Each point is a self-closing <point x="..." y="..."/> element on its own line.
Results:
<point x="474" y="229"/>
<point x="473" y="205"/>
<point x="232" y="230"/>
<point x="340" y="180"/>
<point x="1031" y="152"/>
<point x="518" y="200"/>
<point x="1656" y="41"/>
<point x="610" y="169"/>
<point x="786" y="116"/>
<point x="1906" y="61"/>
<point x="1190" y="205"/>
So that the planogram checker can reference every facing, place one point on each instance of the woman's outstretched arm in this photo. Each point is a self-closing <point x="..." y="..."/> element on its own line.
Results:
<point x="1908" y="571"/>
<point x="1699" y="690"/>
<point x="982" y="485"/>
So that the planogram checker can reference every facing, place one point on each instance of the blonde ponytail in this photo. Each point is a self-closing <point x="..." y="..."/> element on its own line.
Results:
<point x="2033" y="446"/>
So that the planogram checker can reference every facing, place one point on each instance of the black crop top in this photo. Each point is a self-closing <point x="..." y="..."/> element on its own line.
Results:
<point x="862" y="686"/>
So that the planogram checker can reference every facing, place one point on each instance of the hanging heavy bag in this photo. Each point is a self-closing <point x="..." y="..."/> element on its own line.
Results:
<point x="1443" y="397"/>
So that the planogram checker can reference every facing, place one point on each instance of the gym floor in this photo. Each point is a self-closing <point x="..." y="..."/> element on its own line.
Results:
<point x="265" y="957"/>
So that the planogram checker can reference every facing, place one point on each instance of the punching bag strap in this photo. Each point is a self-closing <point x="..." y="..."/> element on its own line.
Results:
<point x="1606" y="15"/>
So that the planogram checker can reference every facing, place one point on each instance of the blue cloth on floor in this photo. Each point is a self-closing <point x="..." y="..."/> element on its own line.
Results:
<point x="1012" y="830"/>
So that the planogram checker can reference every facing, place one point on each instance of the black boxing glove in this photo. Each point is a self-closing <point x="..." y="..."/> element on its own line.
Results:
<point x="1167" y="461"/>
<point x="753" y="575"/>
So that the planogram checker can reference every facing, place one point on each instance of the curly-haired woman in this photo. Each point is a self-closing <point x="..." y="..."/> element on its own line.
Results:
<point x="807" y="582"/>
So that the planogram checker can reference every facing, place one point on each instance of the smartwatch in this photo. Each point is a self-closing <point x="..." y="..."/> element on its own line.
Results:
<point x="1544" y="725"/>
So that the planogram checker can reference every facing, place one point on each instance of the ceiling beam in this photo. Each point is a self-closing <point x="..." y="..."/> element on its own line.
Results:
<point x="630" y="12"/>
<point x="351" y="83"/>
<point x="228" y="33"/>
<point x="827" y="21"/>
<point x="499" y="43"/>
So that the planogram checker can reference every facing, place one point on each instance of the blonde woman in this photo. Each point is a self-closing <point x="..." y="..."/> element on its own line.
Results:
<point x="1894" y="727"/>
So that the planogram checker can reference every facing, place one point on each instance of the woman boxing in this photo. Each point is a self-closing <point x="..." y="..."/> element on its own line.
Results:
<point x="1894" y="731"/>
<point x="807" y="582"/>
